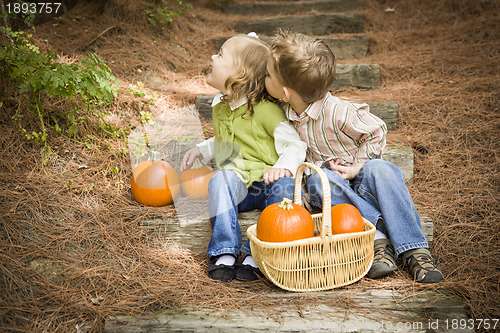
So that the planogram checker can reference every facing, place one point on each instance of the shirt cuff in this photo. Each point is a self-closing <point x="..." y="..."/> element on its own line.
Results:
<point x="290" y="148"/>
<point x="207" y="148"/>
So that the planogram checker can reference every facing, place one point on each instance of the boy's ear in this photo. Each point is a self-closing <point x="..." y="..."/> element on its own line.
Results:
<point x="287" y="94"/>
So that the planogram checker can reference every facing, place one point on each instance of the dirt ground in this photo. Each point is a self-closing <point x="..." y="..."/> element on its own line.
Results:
<point x="70" y="249"/>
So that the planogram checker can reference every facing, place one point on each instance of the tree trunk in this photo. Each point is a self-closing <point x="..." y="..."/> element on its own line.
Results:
<point x="2" y="9"/>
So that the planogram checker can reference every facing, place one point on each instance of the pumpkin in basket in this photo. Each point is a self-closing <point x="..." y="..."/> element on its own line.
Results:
<point x="194" y="181"/>
<point x="284" y="222"/>
<point x="154" y="183"/>
<point x="345" y="219"/>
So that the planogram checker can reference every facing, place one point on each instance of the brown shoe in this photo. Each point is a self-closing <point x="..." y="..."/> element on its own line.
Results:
<point x="420" y="264"/>
<point x="384" y="261"/>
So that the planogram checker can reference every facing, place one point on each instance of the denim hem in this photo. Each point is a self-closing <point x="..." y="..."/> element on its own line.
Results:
<point x="234" y="251"/>
<point x="403" y="249"/>
<point x="246" y="250"/>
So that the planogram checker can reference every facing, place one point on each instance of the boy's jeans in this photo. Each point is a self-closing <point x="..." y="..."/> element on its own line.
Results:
<point x="228" y="196"/>
<point x="381" y="196"/>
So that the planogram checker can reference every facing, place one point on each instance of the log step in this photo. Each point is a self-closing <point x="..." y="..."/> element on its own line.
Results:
<point x="290" y="7"/>
<point x="320" y="24"/>
<point x="372" y="310"/>
<point x="402" y="157"/>
<point x="345" y="47"/>
<point x="193" y="231"/>
<point x="388" y="112"/>
<point x="361" y="76"/>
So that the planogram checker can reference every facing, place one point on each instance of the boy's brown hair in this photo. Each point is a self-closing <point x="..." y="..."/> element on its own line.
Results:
<point x="303" y="63"/>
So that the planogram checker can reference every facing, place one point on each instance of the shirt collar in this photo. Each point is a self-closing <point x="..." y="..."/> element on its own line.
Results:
<point x="313" y="110"/>
<point x="233" y="105"/>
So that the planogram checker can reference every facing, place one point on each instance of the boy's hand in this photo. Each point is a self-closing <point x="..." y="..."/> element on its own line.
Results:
<point x="189" y="157"/>
<point x="346" y="172"/>
<point x="273" y="174"/>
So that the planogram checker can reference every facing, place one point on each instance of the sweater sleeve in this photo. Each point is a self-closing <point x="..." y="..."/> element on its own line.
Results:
<point x="290" y="148"/>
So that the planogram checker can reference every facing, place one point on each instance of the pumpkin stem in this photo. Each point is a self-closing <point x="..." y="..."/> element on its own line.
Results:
<point x="154" y="155"/>
<point x="285" y="204"/>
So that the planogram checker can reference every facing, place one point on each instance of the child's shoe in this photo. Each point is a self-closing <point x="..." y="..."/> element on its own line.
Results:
<point x="248" y="270"/>
<point x="384" y="261"/>
<point x="247" y="273"/>
<point x="223" y="269"/>
<point x="421" y="266"/>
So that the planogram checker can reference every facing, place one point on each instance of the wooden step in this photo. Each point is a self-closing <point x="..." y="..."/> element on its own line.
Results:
<point x="345" y="47"/>
<point x="320" y="24"/>
<point x="352" y="309"/>
<point x="388" y="112"/>
<point x="402" y="157"/>
<point x="372" y="310"/>
<point x="290" y="7"/>
<point x="192" y="230"/>
<point x="361" y="76"/>
<point x="358" y="76"/>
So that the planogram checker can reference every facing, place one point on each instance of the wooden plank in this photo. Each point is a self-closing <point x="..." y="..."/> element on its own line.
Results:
<point x="361" y="76"/>
<point x="193" y="231"/>
<point x="372" y="310"/>
<point x="388" y="112"/>
<point x="345" y="47"/>
<point x="192" y="228"/>
<point x="290" y="8"/>
<point x="402" y="157"/>
<point x="320" y="24"/>
<point x="195" y="234"/>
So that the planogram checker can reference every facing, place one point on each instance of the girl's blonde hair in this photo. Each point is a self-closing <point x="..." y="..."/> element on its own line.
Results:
<point x="303" y="63"/>
<point x="250" y="57"/>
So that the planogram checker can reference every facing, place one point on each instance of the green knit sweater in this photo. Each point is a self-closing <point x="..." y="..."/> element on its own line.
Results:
<point x="243" y="143"/>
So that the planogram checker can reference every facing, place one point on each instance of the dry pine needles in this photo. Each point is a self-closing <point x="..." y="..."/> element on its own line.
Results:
<point x="70" y="246"/>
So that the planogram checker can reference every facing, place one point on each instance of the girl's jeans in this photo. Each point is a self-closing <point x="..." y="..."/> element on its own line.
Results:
<point x="381" y="196"/>
<point x="228" y="196"/>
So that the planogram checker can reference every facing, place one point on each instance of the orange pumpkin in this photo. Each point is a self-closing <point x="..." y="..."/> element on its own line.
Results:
<point x="346" y="218"/>
<point x="284" y="222"/>
<point x="194" y="181"/>
<point x="155" y="183"/>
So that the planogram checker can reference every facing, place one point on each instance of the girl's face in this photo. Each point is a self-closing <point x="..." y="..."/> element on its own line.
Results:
<point x="223" y="66"/>
<point x="273" y="85"/>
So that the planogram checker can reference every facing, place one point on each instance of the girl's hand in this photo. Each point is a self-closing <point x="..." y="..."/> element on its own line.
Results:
<point x="346" y="172"/>
<point x="189" y="157"/>
<point x="273" y="174"/>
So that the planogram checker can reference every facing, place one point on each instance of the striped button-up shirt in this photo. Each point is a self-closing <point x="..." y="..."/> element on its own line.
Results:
<point x="333" y="128"/>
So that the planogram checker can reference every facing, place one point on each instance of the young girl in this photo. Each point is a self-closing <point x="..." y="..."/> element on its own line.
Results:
<point x="256" y="152"/>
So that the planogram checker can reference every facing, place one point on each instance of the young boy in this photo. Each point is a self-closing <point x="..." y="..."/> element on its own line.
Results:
<point x="346" y="140"/>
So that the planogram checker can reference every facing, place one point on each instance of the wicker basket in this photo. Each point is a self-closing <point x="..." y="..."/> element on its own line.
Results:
<point x="322" y="262"/>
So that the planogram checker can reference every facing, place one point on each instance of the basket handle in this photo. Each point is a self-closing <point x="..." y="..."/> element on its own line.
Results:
<point x="326" y="220"/>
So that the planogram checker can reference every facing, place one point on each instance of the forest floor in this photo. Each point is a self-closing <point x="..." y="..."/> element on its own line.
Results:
<point x="70" y="247"/>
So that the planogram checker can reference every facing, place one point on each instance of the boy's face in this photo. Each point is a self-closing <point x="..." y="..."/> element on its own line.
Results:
<point x="222" y="66"/>
<point x="273" y="85"/>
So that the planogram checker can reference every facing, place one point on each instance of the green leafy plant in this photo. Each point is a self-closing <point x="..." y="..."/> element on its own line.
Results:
<point x="137" y="90"/>
<point x="19" y="13"/>
<point x="164" y="14"/>
<point x="89" y="85"/>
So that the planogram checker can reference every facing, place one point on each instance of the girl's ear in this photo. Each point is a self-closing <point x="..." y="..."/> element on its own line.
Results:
<point x="287" y="94"/>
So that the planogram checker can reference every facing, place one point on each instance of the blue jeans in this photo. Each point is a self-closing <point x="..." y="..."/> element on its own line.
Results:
<point x="381" y="196"/>
<point x="228" y="196"/>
